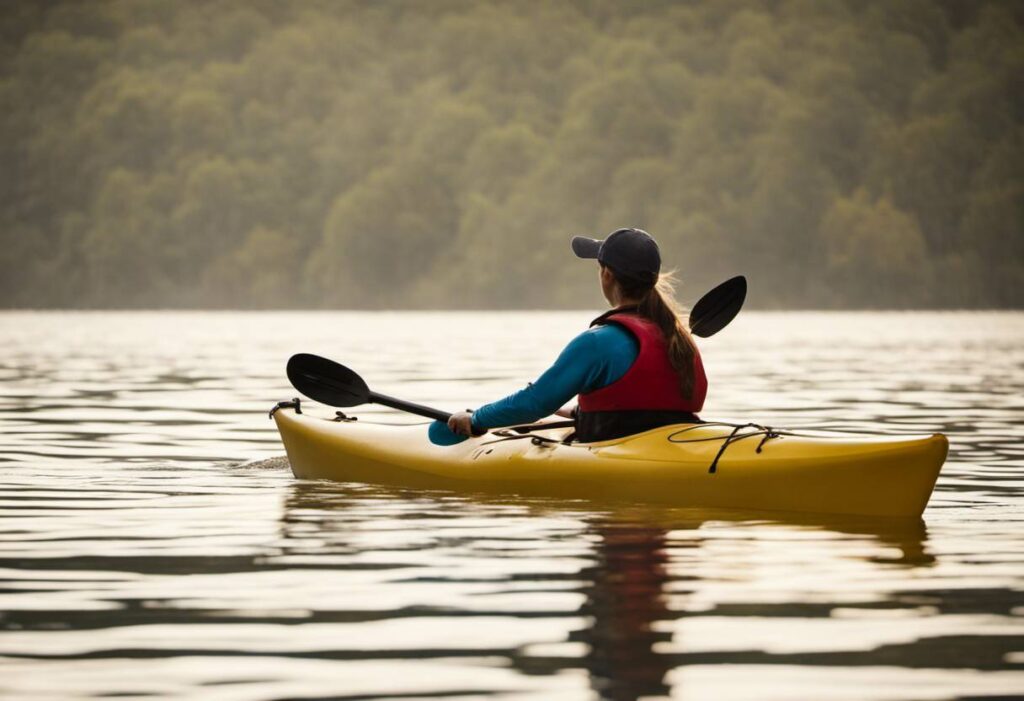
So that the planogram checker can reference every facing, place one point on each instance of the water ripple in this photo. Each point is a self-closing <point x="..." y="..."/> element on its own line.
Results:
<point x="154" y="544"/>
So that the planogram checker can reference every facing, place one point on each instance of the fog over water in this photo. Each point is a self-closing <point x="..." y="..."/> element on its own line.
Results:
<point x="153" y="543"/>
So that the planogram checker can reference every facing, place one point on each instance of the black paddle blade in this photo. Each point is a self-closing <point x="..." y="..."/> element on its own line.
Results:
<point x="717" y="308"/>
<point x="326" y="381"/>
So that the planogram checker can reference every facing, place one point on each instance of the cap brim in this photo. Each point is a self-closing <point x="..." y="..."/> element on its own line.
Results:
<point x="585" y="248"/>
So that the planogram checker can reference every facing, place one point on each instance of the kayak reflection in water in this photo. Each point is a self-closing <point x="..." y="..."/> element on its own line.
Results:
<point x="627" y="607"/>
<point x="636" y="367"/>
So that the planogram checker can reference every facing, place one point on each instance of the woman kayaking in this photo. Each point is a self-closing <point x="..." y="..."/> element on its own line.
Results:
<point x="636" y="367"/>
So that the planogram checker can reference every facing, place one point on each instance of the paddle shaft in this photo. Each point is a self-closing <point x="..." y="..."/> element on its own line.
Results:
<point x="410" y="407"/>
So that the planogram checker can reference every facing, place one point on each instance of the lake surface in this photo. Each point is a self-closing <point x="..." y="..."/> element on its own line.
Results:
<point x="154" y="544"/>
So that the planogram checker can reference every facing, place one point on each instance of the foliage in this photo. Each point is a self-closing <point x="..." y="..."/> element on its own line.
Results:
<point x="402" y="154"/>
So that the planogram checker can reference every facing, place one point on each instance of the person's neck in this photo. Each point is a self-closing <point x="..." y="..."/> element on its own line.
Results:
<point x="624" y="302"/>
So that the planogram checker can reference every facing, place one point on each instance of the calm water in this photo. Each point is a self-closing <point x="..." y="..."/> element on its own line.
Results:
<point x="153" y="543"/>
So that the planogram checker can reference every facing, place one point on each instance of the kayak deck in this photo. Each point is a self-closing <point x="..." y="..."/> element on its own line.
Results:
<point x="682" y="465"/>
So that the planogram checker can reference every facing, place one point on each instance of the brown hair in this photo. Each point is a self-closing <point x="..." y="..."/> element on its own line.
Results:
<point x="657" y="303"/>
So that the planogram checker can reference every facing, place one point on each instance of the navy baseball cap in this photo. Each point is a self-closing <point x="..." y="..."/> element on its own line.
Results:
<point x="627" y="251"/>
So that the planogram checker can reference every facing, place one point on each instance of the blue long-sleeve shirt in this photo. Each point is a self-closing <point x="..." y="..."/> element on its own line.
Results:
<point x="596" y="358"/>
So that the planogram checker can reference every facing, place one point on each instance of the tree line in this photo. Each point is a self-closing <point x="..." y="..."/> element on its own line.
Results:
<point x="345" y="153"/>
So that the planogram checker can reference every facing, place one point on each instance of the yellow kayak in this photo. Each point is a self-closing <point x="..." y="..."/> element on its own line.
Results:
<point x="708" y="465"/>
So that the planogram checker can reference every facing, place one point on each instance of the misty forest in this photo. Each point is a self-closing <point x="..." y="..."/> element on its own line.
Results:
<point x="344" y="154"/>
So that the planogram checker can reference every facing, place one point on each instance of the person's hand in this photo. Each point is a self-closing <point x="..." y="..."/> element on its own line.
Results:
<point x="461" y="422"/>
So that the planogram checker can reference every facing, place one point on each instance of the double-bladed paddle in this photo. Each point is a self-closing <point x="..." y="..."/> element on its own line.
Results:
<point x="332" y="383"/>
<point x="717" y="308"/>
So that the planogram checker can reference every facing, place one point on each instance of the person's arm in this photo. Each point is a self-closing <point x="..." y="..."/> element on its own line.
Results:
<point x="577" y="368"/>
<point x="593" y="359"/>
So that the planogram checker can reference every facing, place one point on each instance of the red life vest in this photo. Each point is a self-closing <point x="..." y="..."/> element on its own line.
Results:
<point x="651" y="383"/>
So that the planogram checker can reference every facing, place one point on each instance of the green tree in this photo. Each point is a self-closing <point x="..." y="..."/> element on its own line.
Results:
<point x="430" y="154"/>
<point x="875" y="253"/>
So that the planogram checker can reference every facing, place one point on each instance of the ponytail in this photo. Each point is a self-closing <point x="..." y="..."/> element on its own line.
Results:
<point x="658" y="305"/>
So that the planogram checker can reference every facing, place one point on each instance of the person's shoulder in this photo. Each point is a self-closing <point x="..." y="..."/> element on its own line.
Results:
<point x="608" y="335"/>
<point x="594" y="337"/>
